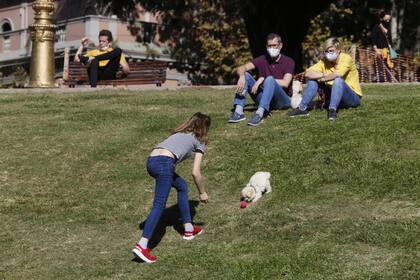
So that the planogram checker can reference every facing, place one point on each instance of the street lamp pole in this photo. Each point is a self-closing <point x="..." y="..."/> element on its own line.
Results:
<point x="43" y="37"/>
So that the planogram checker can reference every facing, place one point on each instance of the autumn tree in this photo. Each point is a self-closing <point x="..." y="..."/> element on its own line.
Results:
<point x="205" y="33"/>
<point x="213" y="45"/>
<point x="210" y="39"/>
<point x="352" y="21"/>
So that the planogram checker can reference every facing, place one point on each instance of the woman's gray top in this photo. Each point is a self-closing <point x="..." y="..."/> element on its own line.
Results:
<point x="182" y="145"/>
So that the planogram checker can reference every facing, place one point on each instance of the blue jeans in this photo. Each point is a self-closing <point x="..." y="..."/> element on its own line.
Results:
<point x="162" y="168"/>
<point x="342" y="96"/>
<point x="270" y="96"/>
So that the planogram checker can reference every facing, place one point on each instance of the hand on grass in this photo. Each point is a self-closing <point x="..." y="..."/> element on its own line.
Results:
<point x="204" y="197"/>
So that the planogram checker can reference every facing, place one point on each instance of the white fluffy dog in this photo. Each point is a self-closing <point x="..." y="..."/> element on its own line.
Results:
<point x="257" y="185"/>
<point x="297" y="96"/>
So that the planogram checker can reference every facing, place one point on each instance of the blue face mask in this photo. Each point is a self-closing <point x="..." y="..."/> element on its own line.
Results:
<point x="331" y="56"/>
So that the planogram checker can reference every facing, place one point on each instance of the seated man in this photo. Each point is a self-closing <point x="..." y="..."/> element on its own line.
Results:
<point x="337" y="74"/>
<point x="272" y="90"/>
<point x="104" y="62"/>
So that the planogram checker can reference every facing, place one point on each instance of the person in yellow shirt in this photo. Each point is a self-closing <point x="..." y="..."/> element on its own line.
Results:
<point x="337" y="74"/>
<point x="103" y="63"/>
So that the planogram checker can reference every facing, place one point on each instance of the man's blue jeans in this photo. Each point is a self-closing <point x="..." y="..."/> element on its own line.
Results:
<point x="342" y="96"/>
<point x="271" y="96"/>
<point x="162" y="168"/>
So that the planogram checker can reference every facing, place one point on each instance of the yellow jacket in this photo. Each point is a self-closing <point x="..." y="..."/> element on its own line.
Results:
<point x="103" y="63"/>
<point x="345" y="67"/>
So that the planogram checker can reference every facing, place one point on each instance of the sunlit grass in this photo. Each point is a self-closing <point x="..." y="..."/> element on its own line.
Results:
<point x="74" y="189"/>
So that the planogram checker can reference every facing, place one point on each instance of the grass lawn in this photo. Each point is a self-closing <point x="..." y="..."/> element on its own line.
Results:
<point x="74" y="189"/>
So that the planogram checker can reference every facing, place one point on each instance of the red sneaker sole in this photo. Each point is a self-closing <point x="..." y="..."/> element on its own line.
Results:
<point x="137" y="253"/>
<point x="192" y="236"/>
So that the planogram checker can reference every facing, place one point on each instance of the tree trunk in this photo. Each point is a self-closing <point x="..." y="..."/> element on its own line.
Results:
<point x="397" y="21"/>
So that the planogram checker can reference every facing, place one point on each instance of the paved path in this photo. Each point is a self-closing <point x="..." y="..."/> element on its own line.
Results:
<point x="142" y="88"/>
<point x="106" y="88"/>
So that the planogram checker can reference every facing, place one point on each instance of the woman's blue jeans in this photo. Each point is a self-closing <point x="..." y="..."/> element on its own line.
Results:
<point x="162" y="168"/>
<point x="342" y="96"/>
<point x="271" y="96"/>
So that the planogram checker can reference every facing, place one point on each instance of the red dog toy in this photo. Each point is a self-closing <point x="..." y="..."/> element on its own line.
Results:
<point x="243" y="204"/>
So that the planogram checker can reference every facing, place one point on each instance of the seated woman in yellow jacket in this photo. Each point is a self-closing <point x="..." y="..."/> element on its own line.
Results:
<point x="336" y="73"/>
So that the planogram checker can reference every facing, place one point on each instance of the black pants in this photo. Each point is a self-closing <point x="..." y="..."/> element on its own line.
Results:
<point x="107" y="72"/>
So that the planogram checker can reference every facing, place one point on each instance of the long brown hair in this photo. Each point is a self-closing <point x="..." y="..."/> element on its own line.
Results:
<point x="198" y="124"/>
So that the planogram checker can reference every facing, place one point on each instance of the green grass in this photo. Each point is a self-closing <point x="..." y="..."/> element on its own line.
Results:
<point x="74" y="189"/>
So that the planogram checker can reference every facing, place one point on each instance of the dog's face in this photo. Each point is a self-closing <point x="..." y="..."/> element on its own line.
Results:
<point x="248" y="193"/>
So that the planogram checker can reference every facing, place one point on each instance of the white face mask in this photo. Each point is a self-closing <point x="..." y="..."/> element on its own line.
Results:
<point x="331" y="56"/>
<point x="273" y="52"/>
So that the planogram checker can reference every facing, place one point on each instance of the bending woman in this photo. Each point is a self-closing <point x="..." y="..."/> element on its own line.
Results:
<point x="188" y="138"/>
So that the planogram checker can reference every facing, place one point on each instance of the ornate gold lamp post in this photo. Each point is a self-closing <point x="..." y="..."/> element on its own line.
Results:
<point x="42" y="36"/>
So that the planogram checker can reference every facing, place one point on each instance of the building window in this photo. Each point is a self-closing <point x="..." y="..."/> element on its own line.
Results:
<point x="60" y="34"/>
<point x="6" y="27"/>
<point x="149" y="31"/>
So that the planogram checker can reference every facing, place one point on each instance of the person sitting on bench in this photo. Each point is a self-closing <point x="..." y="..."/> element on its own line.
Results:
<point x="104" y="63"/>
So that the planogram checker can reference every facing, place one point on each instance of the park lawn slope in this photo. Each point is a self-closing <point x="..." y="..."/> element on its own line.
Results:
<point x="74" y="189"/>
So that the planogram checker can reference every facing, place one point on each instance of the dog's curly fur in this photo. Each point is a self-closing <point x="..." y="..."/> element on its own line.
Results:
<point x="257" y="185"/>
<point x="297" y="94"/>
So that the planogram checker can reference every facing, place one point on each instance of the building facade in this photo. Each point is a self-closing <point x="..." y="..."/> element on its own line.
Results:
<point x="76" y="19"/>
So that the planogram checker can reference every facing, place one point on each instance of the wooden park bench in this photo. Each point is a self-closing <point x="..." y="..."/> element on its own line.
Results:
<point x="141" y="73"/>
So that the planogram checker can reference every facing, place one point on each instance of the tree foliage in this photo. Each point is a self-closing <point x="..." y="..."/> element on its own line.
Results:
<point x="324" y="26"/>
<point x="211" y="38"/>
<point x="352" y="20"/>
<point x="217" y="44"/>
<point x="408" y="29"/>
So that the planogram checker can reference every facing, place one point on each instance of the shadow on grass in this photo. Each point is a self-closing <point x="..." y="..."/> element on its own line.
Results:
<point x="250" y="107"/>
<point x="170" y="218"/>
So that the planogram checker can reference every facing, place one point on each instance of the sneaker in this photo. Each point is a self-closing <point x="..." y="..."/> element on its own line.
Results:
<point x="190" y="235"/>
<point x="298" y="112"/>
<point x="144" y="254"/>
<point x="235" y="117"/>
<point x="332" y="114"/>
<point x="256" y="120"/>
